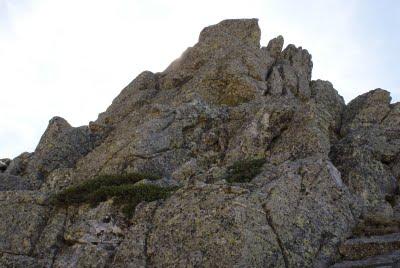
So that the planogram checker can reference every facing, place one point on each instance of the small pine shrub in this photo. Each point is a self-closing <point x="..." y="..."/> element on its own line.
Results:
<point x="121" y="188"/>
<point x="79" y="193"/>
<point x="244" y="170"/>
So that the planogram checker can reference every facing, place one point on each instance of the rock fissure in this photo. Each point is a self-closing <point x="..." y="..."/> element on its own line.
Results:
<point x="13" y="253"/>
<point x="278" y="239"/>
<point x="147" y="235"/>
<point x="61" y="235"/>
<point x="153" y="155"/>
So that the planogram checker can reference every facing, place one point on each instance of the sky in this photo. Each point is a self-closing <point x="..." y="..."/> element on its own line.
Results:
<point x="71" y="58"/>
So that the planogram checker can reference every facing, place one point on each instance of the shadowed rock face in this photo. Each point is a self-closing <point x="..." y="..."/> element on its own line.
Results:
<point x="226" y="99"/>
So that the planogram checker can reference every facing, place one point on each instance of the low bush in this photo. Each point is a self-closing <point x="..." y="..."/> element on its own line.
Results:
<point x="244" y="170"/>
<point x="121" y="188"/>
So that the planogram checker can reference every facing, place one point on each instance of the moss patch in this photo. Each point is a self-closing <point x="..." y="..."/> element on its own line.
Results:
<point x="244" y="170"/>
<point x="120" y="188"/>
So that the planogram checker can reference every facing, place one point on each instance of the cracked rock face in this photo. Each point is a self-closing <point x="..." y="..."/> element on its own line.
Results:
<point x="367" y="154"/>
<point x="226" y="99"/>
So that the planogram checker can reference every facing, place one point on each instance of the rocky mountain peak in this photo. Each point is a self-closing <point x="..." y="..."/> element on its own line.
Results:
<point x="245" y="31"/>
<point x="56" y="126"/>
<point x="232" y="156"/>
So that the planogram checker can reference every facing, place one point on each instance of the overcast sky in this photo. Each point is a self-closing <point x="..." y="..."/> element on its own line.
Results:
<point x="72" y="57"/>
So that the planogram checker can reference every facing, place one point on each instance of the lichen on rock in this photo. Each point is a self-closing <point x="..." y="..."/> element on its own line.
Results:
<point x="274" y="169"/>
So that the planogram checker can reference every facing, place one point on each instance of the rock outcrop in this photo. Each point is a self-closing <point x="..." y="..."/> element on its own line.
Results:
<point x="4" y="163"/>
<point x="327" y="167"/>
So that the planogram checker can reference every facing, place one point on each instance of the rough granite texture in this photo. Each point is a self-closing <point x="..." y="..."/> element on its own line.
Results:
<point x="328" y="166"/>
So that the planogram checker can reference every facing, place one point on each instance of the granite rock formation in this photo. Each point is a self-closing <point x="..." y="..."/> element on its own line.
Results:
<point x="328" y="167"/>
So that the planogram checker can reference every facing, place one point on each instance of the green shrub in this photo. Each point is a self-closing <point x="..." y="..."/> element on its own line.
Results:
<point x="79" y="193"/>
<point x="121" y="188"/>
<point x="244" y="170"/>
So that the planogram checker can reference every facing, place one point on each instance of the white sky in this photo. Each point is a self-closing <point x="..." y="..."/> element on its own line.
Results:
<point x="72" y="57"/>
